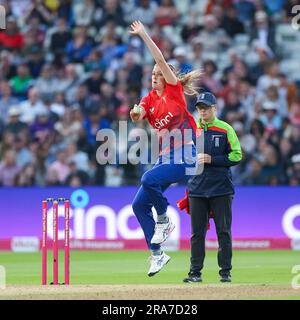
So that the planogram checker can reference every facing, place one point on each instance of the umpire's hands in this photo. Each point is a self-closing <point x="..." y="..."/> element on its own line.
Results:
<point x="204" y="158"/>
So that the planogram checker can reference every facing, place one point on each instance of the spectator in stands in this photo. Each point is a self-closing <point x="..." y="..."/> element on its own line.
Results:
<point x="52" y="115"/>
<point x="38" y="9"/>
<point x="59" y="170"/>
<point x="214" y="39"/>
<point x="23" y="155"/>
<point x="14" y="124"/>
<point x="265" y="54"/>
<point x="92" y="124"/>
<point x="247" y="140"/>
<point x="42" y="127"/>
<point x="225" y="4"/>
<point x="252" y="175"/>
<point x="70" y="83"/>
<point x="60" y="37"/>
<point x="232" y="110"/>
<point x="245" y="11"/>
<point x="69" y="127"/>
<point x="287" y="90"/>
<point x="209" y="80"/>
<point x="80" y="46"/>
<point x="47" y="84"/>
<point x="111" y="45"/>
<point x="35" y="60"/>
<point x="263" y="30"/>
<point x="112" y="10"/>
<point x="192" y="28"/>
<point x="270" y="117"/>
<point x="134" y="70"/>
<point x="7" y="66"/>
<point x="79" y="158"/>
<point x="36" y="30"/>
<point x="295" y="113"/>
<point x="83" y="100"/>
<point x="27" y="177"/>
<point x="83" y="12"/>
<point x="31" y="107"/>
<point x="294" y="138"/>
<point x="95" y="80"/>
<point x="57" y="105"/>
<point x="95" y="60"/>
<point x="231" y="23"/>
<point x="272" y="94"/>
<point x="6" y="143"/>
<point x="271" y="77"/>
<point x="77" y="177"/>
<point x="196" y="55"/>
<point x="247" y="97"/>
<point x="109" y="100"/>
<point x="180" y="61"/>
<point x="29" y="41"/>
<point x="285" y="150"/>
<point x="158" y="35"/>
<point x="166" y="13"/>
<point x="21" y="82"/>
<point x="65" y="9"/>
<point x="145" y="12"/>
<point x="6" y="101"/>
<point x="12" y="38"/>
<point x="16" y="8"/>
<point x="271" y="167"/>
<point x="294" y="170"/>
<point x="8" y="169"/>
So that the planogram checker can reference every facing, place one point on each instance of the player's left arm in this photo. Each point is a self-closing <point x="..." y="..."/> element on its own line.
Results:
<point x="138" y="28"/>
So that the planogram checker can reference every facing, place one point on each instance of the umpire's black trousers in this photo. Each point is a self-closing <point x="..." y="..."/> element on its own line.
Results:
<point x="200" y="209"/>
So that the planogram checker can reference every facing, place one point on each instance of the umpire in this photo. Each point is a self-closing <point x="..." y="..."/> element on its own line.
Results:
<point x="212" y="191"/>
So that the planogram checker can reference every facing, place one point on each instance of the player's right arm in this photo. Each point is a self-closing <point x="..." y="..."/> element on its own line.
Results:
<point x="137" y="28"/>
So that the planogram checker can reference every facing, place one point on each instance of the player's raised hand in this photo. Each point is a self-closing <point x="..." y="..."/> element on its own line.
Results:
<point x="137" y="28"/>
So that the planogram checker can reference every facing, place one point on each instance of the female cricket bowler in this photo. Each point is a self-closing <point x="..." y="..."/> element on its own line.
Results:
<point x="165" y="108"/>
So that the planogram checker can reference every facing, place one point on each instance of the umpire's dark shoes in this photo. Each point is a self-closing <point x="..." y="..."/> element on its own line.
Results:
<point x="193" y="278"/>
<point x="225" y="278"/>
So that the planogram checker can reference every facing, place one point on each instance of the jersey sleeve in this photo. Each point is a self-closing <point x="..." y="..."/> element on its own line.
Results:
<point x="145" y="102"/>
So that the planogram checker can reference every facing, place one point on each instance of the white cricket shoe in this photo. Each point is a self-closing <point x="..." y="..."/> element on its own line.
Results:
<point x="157" y="263"/>
<point x="162" y="232"/>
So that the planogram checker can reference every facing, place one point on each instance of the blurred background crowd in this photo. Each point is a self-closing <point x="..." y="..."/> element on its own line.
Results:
<point x="70" y="68"/>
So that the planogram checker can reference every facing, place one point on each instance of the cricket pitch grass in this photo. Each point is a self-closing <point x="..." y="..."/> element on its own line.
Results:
<point x="122" y="275"/>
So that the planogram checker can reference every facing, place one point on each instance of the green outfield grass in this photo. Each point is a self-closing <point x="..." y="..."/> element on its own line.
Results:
<point x="130" y="267"/>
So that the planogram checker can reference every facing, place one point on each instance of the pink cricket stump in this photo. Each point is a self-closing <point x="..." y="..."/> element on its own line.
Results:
<point x="67" y="242"/>
<point x="44" y="244"/>
<point x="55" y="242"/>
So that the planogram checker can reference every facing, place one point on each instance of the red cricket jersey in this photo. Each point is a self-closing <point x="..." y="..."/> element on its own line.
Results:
<point x="168" y="111"/>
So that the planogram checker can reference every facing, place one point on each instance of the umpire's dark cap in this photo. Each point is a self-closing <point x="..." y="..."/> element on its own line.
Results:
<point x="207" y="99"/>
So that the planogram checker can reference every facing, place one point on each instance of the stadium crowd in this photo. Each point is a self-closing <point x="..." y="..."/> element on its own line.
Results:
<point x="69" y="68"/>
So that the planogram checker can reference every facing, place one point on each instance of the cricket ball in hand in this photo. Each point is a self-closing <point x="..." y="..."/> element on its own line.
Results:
<point x="137" y="109"/>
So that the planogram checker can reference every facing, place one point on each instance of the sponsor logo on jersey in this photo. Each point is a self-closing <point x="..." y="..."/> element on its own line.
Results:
<point x="160" y="123"/>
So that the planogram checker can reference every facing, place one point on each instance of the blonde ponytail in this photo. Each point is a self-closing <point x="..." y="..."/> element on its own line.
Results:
<point x="189" y="80"/>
